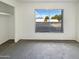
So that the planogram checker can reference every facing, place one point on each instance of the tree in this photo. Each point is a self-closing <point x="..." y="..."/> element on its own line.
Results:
<point x="59" y="17"/>
<point x="53" y="17"/>
<point x="46" y="18"/>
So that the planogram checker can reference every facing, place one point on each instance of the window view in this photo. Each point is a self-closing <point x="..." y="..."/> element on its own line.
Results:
<point x="49" y="20"/>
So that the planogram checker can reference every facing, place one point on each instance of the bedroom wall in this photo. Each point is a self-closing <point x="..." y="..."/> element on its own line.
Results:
<point x="25" y="21"/>
<point x="77" y="23"/>
<point x="10" y="2"/>
<point x="11" y="27"/>
<point x="4" y="22"/>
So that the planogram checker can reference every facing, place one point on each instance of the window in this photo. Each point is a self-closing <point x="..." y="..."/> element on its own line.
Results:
<point x="49" y="20"/>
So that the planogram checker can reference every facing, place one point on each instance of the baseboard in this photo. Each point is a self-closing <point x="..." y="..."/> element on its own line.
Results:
<point x="9" y="40"/>
<point x="16" y="40"/>
<point x="77" y="40"/>
<point x="44" y="39"/>
<point x="3" y="41"/>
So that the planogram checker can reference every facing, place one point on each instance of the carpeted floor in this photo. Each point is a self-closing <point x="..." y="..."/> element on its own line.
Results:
<point x="40" y="50"/>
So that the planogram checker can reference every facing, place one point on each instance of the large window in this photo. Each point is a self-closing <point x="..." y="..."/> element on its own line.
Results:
<point x="49" y="20"/>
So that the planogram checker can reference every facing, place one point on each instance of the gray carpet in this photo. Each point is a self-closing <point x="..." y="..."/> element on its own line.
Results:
<point x="41" y="50"/>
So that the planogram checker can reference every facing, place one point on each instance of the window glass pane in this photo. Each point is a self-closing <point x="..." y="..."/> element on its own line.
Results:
<point x="49" y="20"/>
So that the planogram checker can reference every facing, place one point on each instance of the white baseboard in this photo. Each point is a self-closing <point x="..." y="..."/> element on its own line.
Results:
<point x="3" y="41"/>
<point x="77" y="40"/>
<point x="16" y="40"/>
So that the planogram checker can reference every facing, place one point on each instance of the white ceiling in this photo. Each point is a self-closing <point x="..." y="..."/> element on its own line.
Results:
<point x="48" y="0"/>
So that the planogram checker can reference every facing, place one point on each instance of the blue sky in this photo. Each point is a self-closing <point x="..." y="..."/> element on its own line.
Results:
<point x="47" y="12"/>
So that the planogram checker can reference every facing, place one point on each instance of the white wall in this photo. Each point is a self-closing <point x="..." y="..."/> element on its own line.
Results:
<point x="11" y="27"/>
<point x="25" y="22"/>
<point x="12" y="18"/>
<point x="77" y="23"/>
<point x="10" y="2"/>
<point x="4" y="21"/>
